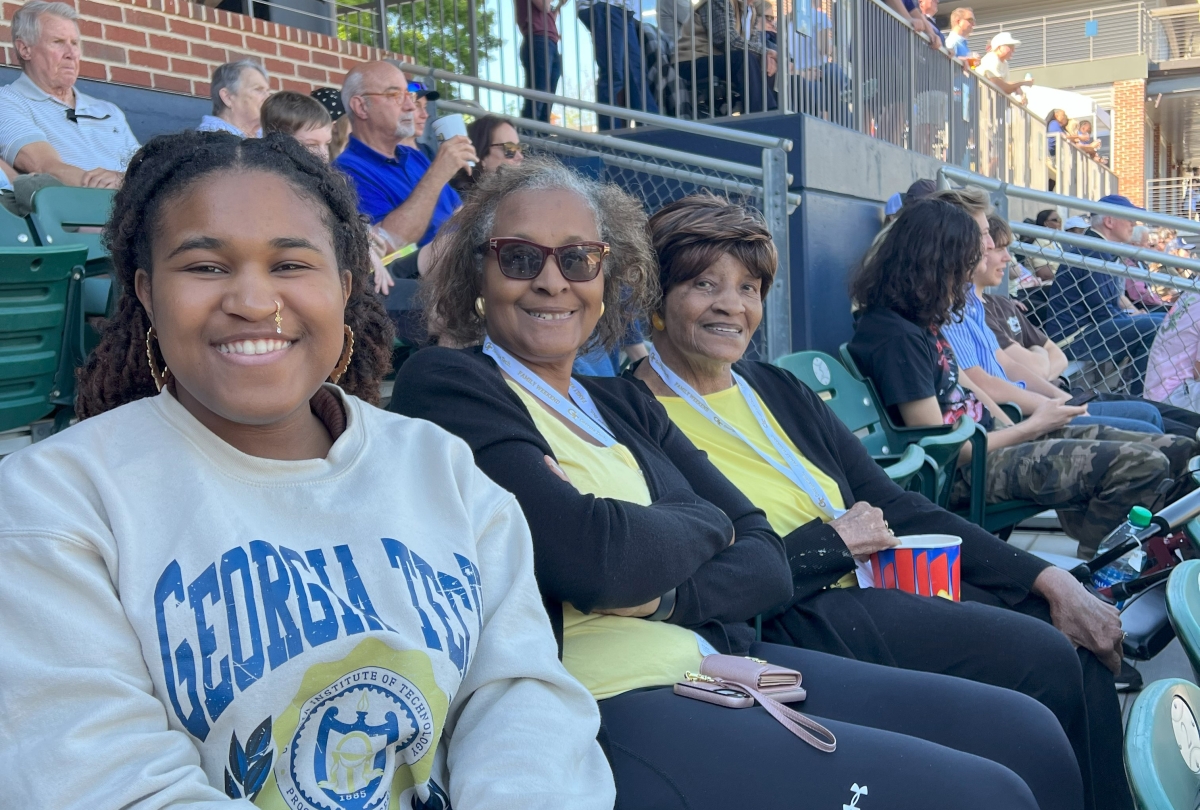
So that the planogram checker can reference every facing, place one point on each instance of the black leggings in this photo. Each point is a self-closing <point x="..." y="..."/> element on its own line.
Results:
<point x="982" y="642"/>
<point x="914" y="740"/>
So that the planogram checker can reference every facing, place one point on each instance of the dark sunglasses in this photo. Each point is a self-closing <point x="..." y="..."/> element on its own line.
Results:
<point x="523" y="260"/>
<point x="510" y="148"/>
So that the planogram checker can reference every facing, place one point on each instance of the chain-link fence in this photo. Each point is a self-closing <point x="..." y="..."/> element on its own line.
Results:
<point x="1118" y="298"/>
<point x="658" y="176"/>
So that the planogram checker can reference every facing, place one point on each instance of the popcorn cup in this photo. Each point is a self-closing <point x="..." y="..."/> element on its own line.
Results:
<point x="924" y="564"/>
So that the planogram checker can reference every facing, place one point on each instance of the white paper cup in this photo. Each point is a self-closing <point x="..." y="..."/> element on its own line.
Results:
<point x="450" y="126"/>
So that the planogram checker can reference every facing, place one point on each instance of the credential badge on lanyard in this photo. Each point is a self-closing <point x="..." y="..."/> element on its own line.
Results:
<point x="792" y="468"/>
<point x="579" y="409"/>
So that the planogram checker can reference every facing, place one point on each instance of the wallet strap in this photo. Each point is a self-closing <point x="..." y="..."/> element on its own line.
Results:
<point x="789" y="718"/>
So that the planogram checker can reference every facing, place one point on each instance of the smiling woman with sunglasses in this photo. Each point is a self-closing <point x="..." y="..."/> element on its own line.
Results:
<point x="647" y="557"/>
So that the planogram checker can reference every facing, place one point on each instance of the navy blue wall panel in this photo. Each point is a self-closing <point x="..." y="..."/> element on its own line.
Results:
<point x="149" y="112"/>
<point x="830" y="233"/>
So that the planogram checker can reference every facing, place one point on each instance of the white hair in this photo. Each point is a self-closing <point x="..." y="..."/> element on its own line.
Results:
<point x="353" y="87"/>
<point x="229" y="77"/>
<point x="27" y="22"/>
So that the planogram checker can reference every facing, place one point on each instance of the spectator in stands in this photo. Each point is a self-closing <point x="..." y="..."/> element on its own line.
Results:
<point x="600" y="362"/>
<point x="302" y="117"/>
<point x="911" y="11"/>
<point x="978" y="353"/>
<point x="909" y="290"/>
<point x="423" y="96"/>
<point x="823" y="82"/>
<point x="1077" y="224"/>
<point x="617" y="44"/>
<point x="724" y="54"/>
<point x="541" y="57"/>
<point x="1085" y="306"/>
<point x="1079" y="132"/>
<point x="929" y="9"/>
<point x="1174" y="365"/>
<point x="1056" y="122"/>
<point x="238" y="91"/>
<point x="47" y="125"/>
<point x="331" y="100"/>
<point x="994" y="65"/>
<point x="398" y="188"/>
<point x="497" y="143"/>
<point x="262" y="439"/>
<point x="1138" y="292"/>
<point x="634" y="530"/>
<point x="716" y="264"/>
<point x="962" y="23"/>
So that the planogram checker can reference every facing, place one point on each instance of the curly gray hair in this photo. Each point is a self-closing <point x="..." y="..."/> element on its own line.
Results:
<point x="630" y="271"/>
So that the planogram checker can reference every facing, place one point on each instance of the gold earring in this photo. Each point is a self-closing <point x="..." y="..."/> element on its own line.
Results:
<point x="278" y="318"/>
<point x="657" y="322"/>
<point x="160" y="379"/>
<point x="601" y="309"/>
<point x="480" y="308"/>
<point x="347" y="354"/>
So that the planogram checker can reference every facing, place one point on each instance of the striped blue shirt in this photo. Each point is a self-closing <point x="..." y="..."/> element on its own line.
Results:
<point x="972" y="340"/>
<point x="98" y="138"/>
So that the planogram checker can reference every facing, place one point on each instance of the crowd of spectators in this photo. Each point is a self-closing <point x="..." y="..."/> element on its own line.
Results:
<point x="521" y="583"/>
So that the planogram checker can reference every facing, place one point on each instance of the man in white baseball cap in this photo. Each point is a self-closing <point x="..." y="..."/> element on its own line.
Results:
<point x="995" y="63"/>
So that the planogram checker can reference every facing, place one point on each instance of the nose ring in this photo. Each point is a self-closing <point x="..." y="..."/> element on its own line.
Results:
<point x="278" y="318"/>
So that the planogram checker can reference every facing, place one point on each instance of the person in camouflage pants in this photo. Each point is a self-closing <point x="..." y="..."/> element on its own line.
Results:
<point x="1092" y="475"/>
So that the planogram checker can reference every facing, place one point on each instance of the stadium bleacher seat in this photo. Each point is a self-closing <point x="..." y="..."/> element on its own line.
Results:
<point x="848" y="398"/>
<point x="36" y="286"/>
<point x="1183" y="606"/>
<point x="60" y="212"/>
<point x="14" y="231"/>
<point x="1162" y="746"/>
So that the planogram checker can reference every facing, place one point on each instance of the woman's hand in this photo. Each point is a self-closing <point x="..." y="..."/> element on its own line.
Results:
<point x="639" y="612"/>
<point x="864" y="531"/>
<point x="1083" y="619"/>
<point x="380" y="244"/>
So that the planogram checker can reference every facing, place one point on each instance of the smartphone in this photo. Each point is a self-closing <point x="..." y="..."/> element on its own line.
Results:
<point x="1083" y="398"/>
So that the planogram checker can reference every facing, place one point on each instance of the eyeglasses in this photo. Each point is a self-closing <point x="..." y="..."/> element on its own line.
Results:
<point x="510" y="148"/>
<point x="523" y="260"/>
<point x="393" y="95"/>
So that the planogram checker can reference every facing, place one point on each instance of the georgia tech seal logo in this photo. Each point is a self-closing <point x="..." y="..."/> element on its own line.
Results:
<point x="350" y="739"/>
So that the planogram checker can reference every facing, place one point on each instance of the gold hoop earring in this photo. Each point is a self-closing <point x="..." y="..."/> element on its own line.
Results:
<point x="601" y="309"/>
<point x="481" y="308"/>
<point x="657" y="322"/>
<point x="160" y="379"/>
<point x="278" y="318"/>
<point x="347" y="355"/>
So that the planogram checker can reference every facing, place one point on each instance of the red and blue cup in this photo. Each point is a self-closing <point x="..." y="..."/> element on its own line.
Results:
<point x="924" y="564"/>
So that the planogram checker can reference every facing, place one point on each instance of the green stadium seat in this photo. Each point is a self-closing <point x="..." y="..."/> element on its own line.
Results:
<point x="942" y="445"/>
<point x="37" y="288"/>
<point x="14" y="230"/>
<point x="848" y="398"/>
<point x="1183" y="607"/>
<point x="1162" y="746"/>
<point x="59" y="212"/>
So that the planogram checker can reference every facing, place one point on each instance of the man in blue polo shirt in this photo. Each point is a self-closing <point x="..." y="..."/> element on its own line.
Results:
<point x="398" y="187"/>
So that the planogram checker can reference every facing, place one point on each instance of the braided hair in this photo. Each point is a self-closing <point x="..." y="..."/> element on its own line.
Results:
<point x="116" y="372"/>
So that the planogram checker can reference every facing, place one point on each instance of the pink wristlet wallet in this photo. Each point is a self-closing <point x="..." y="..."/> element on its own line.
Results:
<point x="737" y="683"/>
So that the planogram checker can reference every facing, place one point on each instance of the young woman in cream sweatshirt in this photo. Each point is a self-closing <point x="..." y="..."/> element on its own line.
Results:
<point x="234" y="580"/>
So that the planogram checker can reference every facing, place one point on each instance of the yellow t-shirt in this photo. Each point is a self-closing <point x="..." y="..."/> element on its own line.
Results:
<point x="787" y="506"/>
<point x="611" y="654"/>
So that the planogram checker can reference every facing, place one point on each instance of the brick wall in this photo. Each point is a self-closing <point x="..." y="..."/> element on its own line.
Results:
<point x="173" y="45"/>
<point x="1129" y="138"/>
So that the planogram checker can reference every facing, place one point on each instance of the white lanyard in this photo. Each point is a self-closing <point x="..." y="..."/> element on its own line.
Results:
<point x="792" y="468"/>
<point x="579" y="409"/>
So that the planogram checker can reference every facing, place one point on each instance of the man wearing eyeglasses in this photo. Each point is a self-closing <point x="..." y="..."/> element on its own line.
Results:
<point x="398" y="187"/>
<point x="962" y="23"/>
<point x="47" y="126"/>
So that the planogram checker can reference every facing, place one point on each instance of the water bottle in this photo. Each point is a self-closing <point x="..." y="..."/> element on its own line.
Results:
<point x="1128" y="566"/>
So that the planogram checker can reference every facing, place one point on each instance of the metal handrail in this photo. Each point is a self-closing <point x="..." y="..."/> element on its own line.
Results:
<point x="680" y="124"/>
<point x="1105" y="246"/>
<point x="1111" y="268"/>
<point x="947" y="173"/>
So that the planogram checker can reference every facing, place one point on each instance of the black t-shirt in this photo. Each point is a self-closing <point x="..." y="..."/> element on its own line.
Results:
<point x="908" y="363"/>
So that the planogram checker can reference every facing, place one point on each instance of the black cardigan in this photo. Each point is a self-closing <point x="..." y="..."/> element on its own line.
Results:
<point x="600" y="552"/>
<point x="816" y="553"/>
